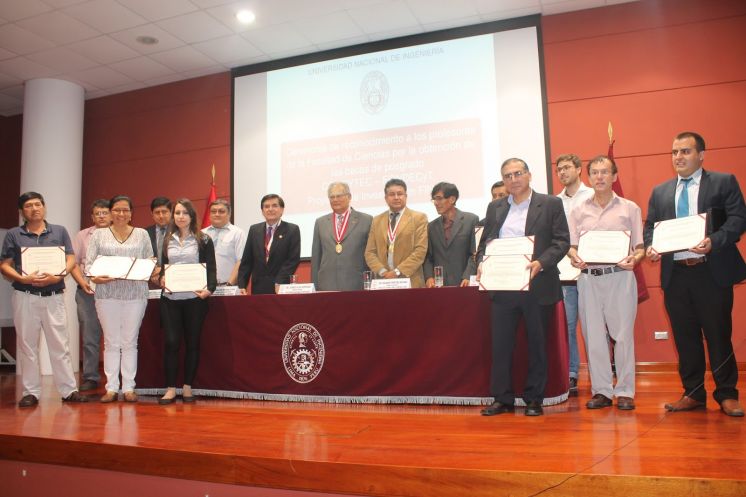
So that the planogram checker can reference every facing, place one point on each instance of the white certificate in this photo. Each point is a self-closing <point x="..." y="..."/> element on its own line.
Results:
<point x="505" y="272"/>
<point x="49" y="260"/>
<point x="519" y="245"/>
<point x="679" y="234"/>
<point x="142" y="269"/>
<point x="567" y="271"/>
<point x="185" y="277"/>
<point x="122" y="268"/>
<point x="603" y="247"/>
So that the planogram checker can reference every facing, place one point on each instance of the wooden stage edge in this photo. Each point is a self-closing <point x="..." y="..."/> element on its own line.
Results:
<point x="392" y="450"/>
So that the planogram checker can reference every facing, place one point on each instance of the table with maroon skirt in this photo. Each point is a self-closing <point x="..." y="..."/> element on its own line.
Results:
<point x="390" y="346"/>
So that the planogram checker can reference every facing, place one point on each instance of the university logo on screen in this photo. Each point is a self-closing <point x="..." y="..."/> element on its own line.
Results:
<point x="303" y="353"/>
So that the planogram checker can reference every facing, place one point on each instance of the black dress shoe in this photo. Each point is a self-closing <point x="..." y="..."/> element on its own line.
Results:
<point x="573" y="387"/>
<point x="188" y="399"/>
<point x="598" y="401"/>
<point x="165" y="402"/>
<point x="497" y="408"/>
<point x="28" y="401"/>
<point x="75" y="397"/>
<point x="88" y="385"/>
<point x="534" y="409"/>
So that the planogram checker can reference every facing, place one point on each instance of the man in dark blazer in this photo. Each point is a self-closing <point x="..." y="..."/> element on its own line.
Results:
<point x="698" y="283"/>
<point x="450" y="239"/>
<point x="272" y="251"/>
<point x="160" y="208"/>
<point x="524" y="213"/>
<point x="338" y="247"/>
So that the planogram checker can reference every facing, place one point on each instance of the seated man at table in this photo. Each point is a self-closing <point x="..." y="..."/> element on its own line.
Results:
<point x="397" y="242"/>
<point x="607" y="294"/>
<point x="229" y="241"/>
<point x="524" y="213"/>
<point x="272" y="250"/>
<point x="338" y="247"/>
<point x="450" y="239"/>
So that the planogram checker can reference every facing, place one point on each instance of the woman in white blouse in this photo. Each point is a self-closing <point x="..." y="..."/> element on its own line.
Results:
<point x="120" y="304"/>
<point x="183" y="313"/>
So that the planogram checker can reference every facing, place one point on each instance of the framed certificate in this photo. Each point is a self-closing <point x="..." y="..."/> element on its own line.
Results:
<point x="603" y="247"/>
<point x="122" y="268"/>
<point x="505" y="272"/>
<point x="567" y="272"/>
<point x="519" y="245"/>
<point x="683" y="233"/>
<point x="49" y="260"/>
<point x="185" y="277"/>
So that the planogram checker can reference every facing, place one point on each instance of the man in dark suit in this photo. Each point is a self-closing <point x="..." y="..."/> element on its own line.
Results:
<point x="339" y="239"/>
<point x="450" y="239"/>
<point x="698" y="283"/>
<point x="160" y="208"/>
<point x="272" y="251"/>
<point x="524" y="213"/>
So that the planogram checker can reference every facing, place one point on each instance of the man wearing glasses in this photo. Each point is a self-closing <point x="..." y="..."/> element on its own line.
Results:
<point x="397" y="242"/>
<point x="338" y="246"/>
<point x="524" y="213"/>
<point x="90" y="327"/>
<point x="229" y="241"/>
<point x="450" y="239"/>
<point x="698" y="283"/>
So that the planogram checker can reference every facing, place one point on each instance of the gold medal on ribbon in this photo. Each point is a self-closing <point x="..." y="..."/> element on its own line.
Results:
<point x="338" y="248"/>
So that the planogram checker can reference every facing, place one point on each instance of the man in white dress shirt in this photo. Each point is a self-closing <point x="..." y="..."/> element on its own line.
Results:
<point x="229" y="241"/>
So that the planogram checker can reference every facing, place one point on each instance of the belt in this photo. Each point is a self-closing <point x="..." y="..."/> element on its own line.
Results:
<point x="692" y="261"/>
<point x="44" y="293"/>
<point x="600" y="271"/>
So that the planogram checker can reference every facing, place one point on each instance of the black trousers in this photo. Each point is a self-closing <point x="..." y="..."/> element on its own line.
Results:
<point x="697" y="308"/>
<point x="507" y="309"/>
<point x="182" y="318"/>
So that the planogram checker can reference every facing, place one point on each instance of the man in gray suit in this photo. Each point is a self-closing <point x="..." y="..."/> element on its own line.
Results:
<point x="450" y="239"/>
<point x="339" y="240"/>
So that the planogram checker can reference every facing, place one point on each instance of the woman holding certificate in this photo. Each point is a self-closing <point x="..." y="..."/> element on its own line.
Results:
<point x="188" y="277"/>
<point x="120" y="303"/>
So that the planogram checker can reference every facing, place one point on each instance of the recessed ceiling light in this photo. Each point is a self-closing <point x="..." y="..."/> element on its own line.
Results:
<point x="245" y="16"/>
<point x="147" y="40"/>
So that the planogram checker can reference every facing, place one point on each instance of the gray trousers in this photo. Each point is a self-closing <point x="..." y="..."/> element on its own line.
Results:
<point x="609" y="301"/>
<point x="90" y="333"/>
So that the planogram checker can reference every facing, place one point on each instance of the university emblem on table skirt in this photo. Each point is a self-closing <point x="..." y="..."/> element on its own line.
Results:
<point x="303" y="353"/>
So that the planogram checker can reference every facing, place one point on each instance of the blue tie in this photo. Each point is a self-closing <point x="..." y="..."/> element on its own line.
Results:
<point x="682" y="209"/>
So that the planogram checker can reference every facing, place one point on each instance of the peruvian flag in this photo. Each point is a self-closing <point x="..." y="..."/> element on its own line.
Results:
<point x="642" y="287"/>
<point x="210" y="199"/>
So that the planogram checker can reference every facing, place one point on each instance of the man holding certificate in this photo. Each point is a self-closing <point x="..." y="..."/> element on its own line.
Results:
<point x="540" y="219"/>
<point x="35" y="257"/>
<point x="606" y="239"/>
<point x="698" y="278"/>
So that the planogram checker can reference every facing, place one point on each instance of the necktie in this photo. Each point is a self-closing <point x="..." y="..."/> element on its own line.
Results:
<point x="682" y="209"/>
<point x="394" y="215"/>
<point x="160" y="235"/>
<point x="267" y="239"/>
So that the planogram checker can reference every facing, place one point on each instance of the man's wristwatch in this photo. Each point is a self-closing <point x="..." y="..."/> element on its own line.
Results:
<point x="397" y="272"/>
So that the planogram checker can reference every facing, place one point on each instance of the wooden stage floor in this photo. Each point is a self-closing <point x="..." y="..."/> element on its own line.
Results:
<point x="389" y="450"/>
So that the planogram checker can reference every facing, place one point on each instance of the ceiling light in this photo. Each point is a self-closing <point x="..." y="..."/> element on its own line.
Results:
<point x="245" y="16"/>
<point x="147" y="40"/>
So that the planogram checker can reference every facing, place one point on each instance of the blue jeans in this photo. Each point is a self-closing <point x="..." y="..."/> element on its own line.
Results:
<point x="570" y="293"/>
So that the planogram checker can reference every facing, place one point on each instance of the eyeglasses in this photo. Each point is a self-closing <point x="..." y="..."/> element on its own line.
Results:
<point x="564" y="168"/>
<point x="515" y="175"/>
<point x="121" y="211"/>
<point x="218" y="211"/>
<point x="438" y="198"/>
<point x="100" y="213"/>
